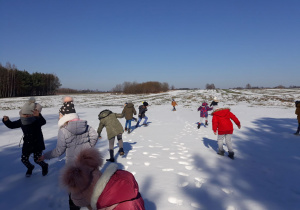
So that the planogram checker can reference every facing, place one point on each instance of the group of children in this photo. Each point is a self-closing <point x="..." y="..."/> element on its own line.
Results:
<point x="77" y="140"/>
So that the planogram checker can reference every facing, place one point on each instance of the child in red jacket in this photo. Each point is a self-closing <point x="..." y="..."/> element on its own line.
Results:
<point x="221" y="122"/>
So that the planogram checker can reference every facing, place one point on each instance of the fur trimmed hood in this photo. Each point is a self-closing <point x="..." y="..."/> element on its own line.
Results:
<point x="66" y="118"/>
<point x="220" y="109"/>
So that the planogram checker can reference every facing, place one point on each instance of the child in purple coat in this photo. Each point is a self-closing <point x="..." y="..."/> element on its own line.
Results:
<point x="204" y="113"/>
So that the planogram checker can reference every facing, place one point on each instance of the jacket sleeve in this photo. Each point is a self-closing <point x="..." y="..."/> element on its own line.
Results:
<point x="199" y="108"/>
<point x="60" y="147"/>
<point x="235" y="119"/>
<point x="12" y="125"/>
<point x="119" y="115"/>
<point x="99" y="130"/>
<point x="41" y="120"/>
<point x="93" y="136"/>
<point x="215" y="123"/>
<point x="134" y="111"/>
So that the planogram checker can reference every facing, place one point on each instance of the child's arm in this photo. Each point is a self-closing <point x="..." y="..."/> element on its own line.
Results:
<point x="119" y="115"/>
<point x="101" y="126"/>
<point x="39" y="117"/>
<point x="235" y="120"/>
<point x="215" y="124"/>
<point x="93" y="136"/>
<point x="10" y="124"/>
<point x="60" y="147"/>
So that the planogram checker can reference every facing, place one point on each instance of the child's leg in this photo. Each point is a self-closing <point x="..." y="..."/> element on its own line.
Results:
<point x="111" y="149"/>
<point x="120" y="140"/>
<point x="25" y="160"/>
<point x="126" y="123"/>
<point x="228" y="142"/>
<point x="36" y="155"/>
<point x="146" y="119"/>
<point x="220" y="142"/>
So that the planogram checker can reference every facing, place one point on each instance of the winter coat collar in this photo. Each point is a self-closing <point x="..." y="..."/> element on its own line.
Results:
<point x="104" y="114"/>
<point x="220" y="109"/>
<point x="66" y="118"/>
<point x="101" y="183"/>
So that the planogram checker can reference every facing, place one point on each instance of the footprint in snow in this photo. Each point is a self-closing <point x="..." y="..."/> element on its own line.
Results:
<point x="196" y="205"/>
<point x="168" y="169"/>
<point x="189" y="167"/>
<point x="199" y="182"/>
<point x="183" y="184"/>
<point x="182" y="174"/>
<point x="227" y="191"/>
<point x="174" y="200"/>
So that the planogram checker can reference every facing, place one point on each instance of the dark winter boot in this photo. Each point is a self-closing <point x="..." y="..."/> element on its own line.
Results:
<point x="121" y="151"/>
<point x="231" y="155"/>
<point x="29" y="171"/>
<point x="298" y="130"/>
<point x="45" y="169"/>
<point x="111" y="153"/>
<point x="221" y="152"/>
<point x="129" y="131"/>
<point x="198" y="125"/>
<point x="206" y="123"/>
<point x="125" y="129"/>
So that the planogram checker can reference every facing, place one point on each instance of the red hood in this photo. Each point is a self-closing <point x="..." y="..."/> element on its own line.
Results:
<point x="221" y="112"/>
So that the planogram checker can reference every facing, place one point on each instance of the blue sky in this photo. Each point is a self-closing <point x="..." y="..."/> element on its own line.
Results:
<point x="98" y="44"/>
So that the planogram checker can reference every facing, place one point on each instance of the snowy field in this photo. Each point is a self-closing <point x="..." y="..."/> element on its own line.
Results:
<point x="174" y="163"/>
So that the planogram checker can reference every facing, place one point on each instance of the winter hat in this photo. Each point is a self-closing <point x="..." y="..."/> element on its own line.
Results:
<point x="145" y="103"/>
<point x="81" y="176"/>
<point x="129" y="102"/>
<point x="216" y="99"/>
<point x="67" y="108"/>
<point x="29" y="106"/>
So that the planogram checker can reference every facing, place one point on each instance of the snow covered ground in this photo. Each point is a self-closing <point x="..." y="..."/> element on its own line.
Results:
<point x="175" y="163"/>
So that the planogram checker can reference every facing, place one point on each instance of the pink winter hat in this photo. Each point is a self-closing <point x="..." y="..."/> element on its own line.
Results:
<point x="81" y="176"/>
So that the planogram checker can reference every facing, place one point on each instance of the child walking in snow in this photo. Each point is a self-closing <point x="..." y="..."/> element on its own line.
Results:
<point x="112" y="189"/>
<point x="74" y="135"/>
<point x="174" y="104"/>
<point x="214" y="103"/>
<point x="203" y="113"/>
<point x="128" y="112"/>
<point x="142" y="111"/>
<point x="31" y="122"/>
<point x="297" y="112"/>
<point x="114" y="129"/>
<point x="221" y="123"/>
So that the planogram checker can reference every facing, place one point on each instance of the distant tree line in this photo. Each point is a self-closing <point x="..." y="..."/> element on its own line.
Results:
<point x="61" y="91"/>
<point x="16" y="83"/>
<point x="139" y="88"/>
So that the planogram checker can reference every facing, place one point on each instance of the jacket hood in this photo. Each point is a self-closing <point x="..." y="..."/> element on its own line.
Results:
<point x="77" y="127"/>
<point x="129" y="105"/>
<point x="66" y="118"/>
<point x="104" y="114"/>
<point x="221" y="112"/>
<point x="204" y="104"/>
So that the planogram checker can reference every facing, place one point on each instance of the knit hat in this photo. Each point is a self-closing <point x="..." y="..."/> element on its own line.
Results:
<point x="81" y="176"/>
<point x="145" y="103"/>
<point x="128" y="102"/>
<point x="29" y="106"/>
<point x="67" y="108"/>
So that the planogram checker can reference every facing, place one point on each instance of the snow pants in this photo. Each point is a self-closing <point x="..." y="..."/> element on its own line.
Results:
<point x="227" y="140"/>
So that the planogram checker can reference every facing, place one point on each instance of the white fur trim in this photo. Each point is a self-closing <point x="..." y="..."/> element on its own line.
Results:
<point x="101" y="183"/>
<point x="66" y="118"/>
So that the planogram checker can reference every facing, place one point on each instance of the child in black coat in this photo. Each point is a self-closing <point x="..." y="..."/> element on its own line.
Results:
<point x="31" y="121"/>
